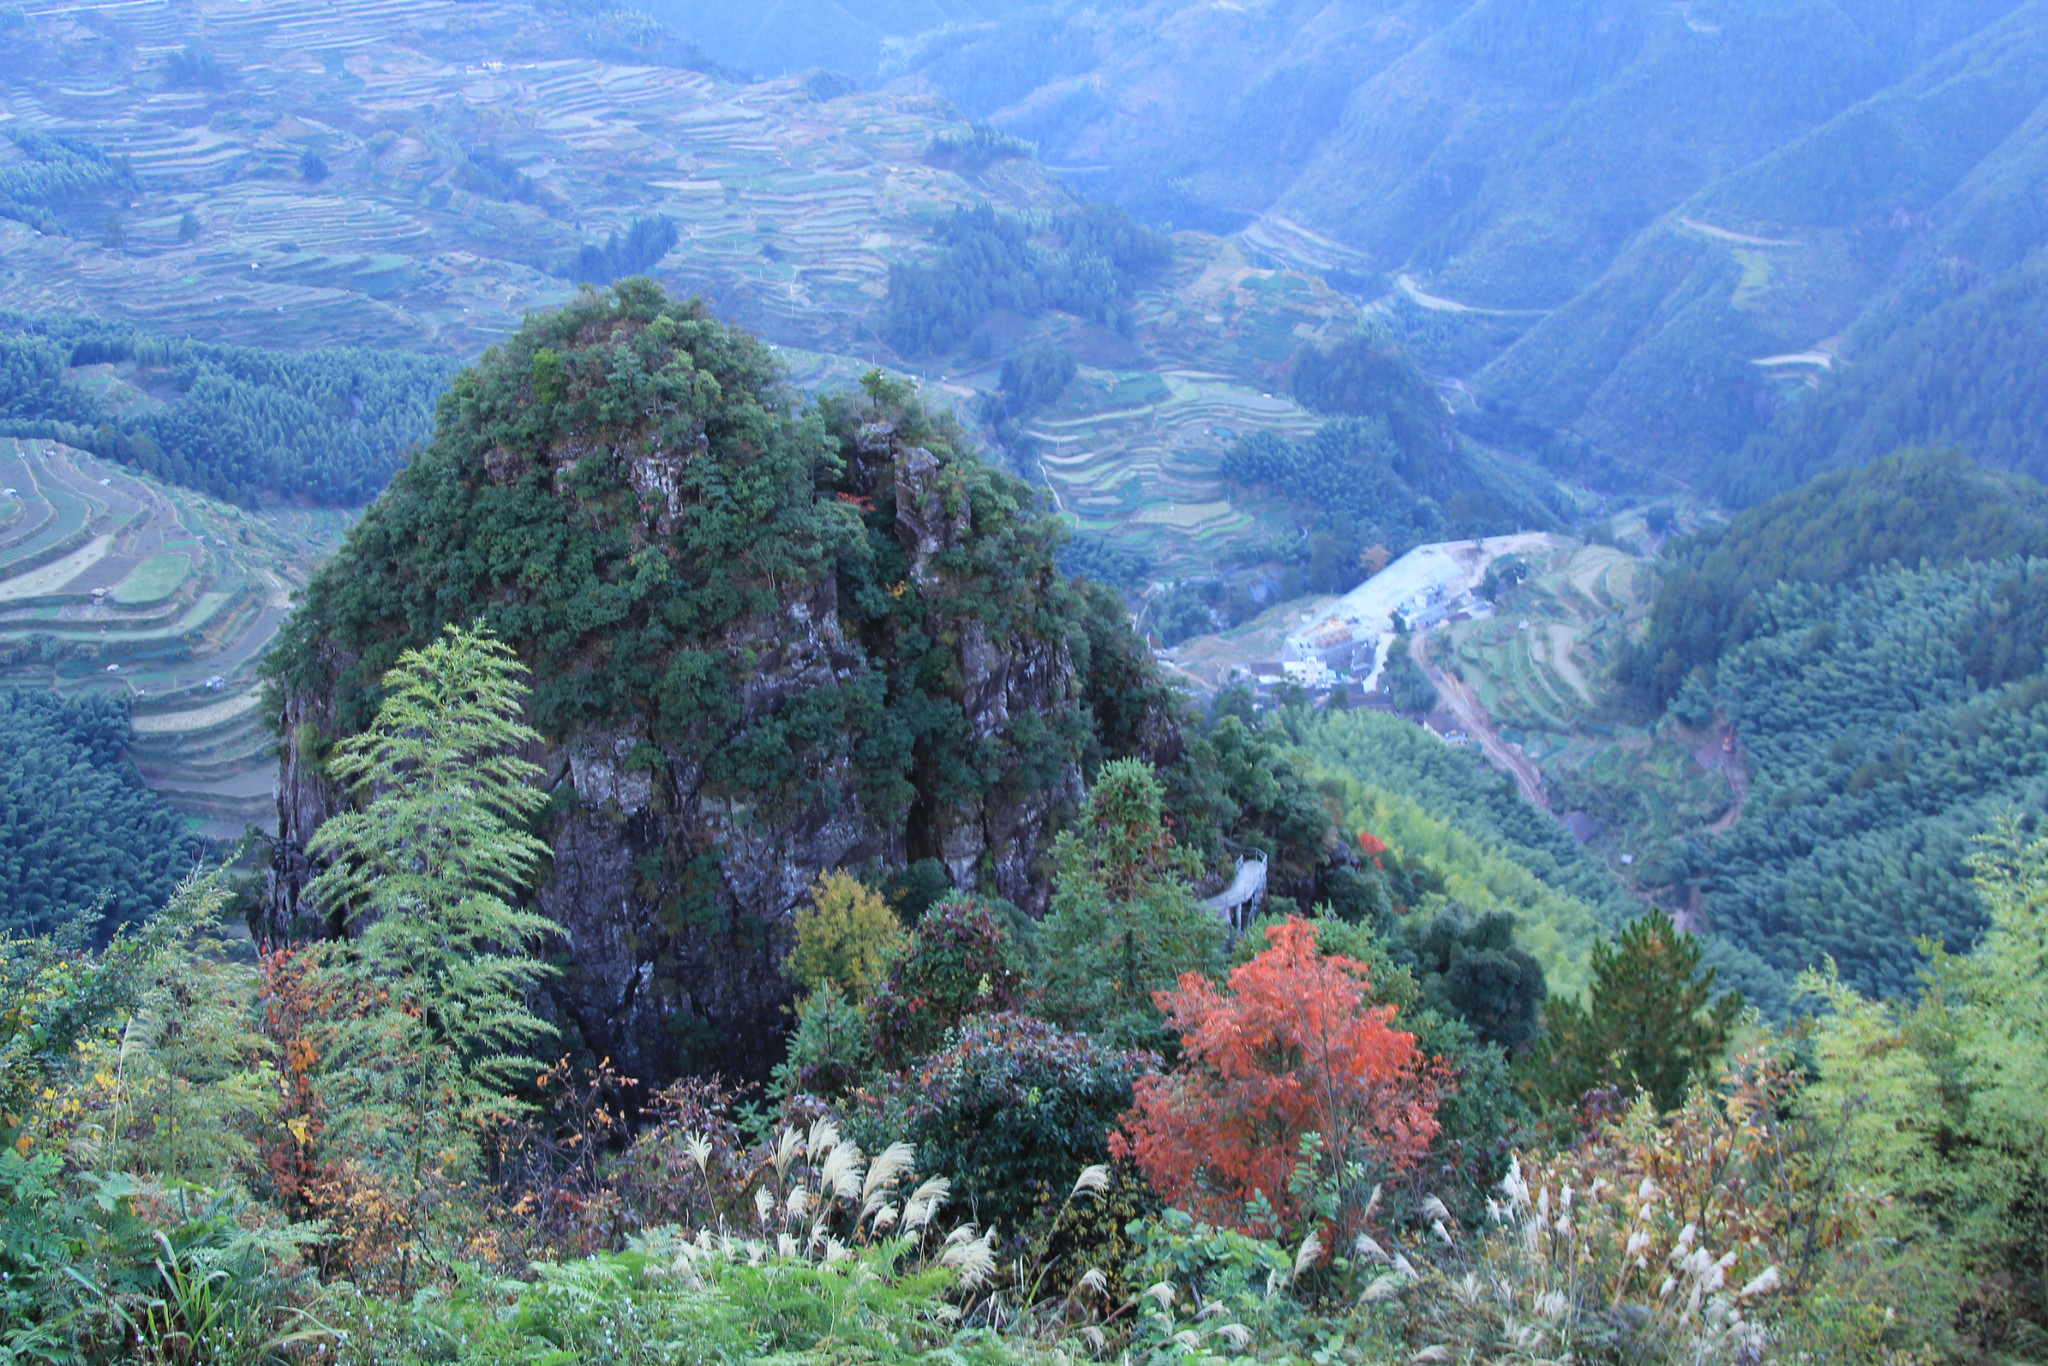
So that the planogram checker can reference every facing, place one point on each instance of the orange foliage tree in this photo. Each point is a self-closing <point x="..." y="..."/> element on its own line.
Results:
<point x="1291" y="1049"/>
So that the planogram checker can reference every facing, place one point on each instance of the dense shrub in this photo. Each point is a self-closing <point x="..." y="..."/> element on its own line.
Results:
<point x="1012" y="1108"/>
<point x="1472" y="970"/>
<point x="959" y="962"/>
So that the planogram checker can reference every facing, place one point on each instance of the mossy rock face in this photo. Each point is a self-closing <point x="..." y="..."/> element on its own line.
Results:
<point x="767" y="638"/>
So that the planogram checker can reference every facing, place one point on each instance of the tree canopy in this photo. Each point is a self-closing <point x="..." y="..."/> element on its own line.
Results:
<point x="235" y="422"/>
<point x="79" y="833"/>
<point x="1911" y="506"/>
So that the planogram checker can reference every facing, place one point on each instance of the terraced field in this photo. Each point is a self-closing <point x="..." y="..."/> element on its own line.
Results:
<point x="453" y="190"/>
<point x="789" y="208"/>
<point x="1541" y="667"/>
<point x="1133" y="453"/>
<point x="112" y="582"/>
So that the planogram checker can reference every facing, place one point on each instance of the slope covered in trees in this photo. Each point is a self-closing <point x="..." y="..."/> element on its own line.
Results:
<point x="83" y="844"/>
<point x="1967" y="372"/>
<point x="235" y="422"/>
<point x="1886" y="723"/>
<point x="1895" y="235"/>
<point x="1936" y="507"/>
<point x="1389" y="468"/>
<point x="1627" y="208"/>
<point x="1085" y="261"/>
<point x="59" y="184"/>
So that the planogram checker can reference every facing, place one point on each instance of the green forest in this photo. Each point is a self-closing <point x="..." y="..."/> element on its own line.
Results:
<point x="62" y="185"/>
<point x="1909" y="508"/>
<point x="638" y="250"/>
<point x="234" y="422"/>
<point x="1388" y="468"/>
<point x="1085" y="261"/>
<point x="86" y="846"/>
<point x="1962" y="372"/>
<point x="1886" y="723"/>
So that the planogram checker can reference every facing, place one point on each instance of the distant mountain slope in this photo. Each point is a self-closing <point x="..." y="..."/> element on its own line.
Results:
<point x="1894" y="237"/>
<point x="419" y="176"/>
<point x="1909" y="509"/>
<point x="1643" y="233"/>
<point x="783" y="37"/>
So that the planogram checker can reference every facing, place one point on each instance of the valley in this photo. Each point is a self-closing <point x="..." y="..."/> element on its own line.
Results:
<point x="1023" y="682"/>
<point x="375" y="186"/>
<point x="419" y="179"/>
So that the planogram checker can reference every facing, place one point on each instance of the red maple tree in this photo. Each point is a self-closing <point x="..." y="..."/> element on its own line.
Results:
<point x="1373" y="846"/>
<point x="1292" y="1048"/>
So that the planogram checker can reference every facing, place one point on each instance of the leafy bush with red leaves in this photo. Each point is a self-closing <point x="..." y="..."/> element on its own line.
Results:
<point x="1291" y="1049"/>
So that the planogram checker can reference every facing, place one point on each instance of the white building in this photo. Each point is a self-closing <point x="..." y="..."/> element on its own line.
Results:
<point x="1426" y="585"/>
<point x="1310" y="673"/>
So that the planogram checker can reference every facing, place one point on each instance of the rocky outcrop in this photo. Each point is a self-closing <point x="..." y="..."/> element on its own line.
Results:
<point x="674" y="887"/>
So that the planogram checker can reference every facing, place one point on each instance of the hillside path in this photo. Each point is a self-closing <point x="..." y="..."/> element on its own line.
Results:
<point x="1741" y="238"/>
<point x="1463" y="703"/>
<point x="1728" y="763"/>
<point x="1436" y="303"/>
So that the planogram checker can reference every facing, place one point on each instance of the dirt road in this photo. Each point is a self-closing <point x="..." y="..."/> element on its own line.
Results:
<point x="1722" y="753"/>
<point x="1460" y="701"/>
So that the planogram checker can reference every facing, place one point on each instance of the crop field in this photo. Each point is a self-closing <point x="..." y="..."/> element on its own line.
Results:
<point x="169" y="599"/>
<point x="1541" y="667"/>
<point x="789" y="209"/>
<point x="155" y="579"/>
<point x="1133" y="453"/>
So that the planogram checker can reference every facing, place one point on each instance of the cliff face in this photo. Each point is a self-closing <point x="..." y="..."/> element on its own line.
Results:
<point x="767" y="641"/>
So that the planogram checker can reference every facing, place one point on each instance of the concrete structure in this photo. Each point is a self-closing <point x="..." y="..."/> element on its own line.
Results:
<point x="1310" y="673"/>
<point x="1428" y="585"/>
<point x="1238" y="903"/>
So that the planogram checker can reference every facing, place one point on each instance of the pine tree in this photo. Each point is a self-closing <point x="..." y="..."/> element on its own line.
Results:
<point x="1124" y="921"/>
<point x="432" y="967"/>
<point x="1650" y="1020"/>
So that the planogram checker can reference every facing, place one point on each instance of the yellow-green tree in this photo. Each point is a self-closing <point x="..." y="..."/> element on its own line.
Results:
<point x="846" y="936"/>
<point x="1943" y="1104"/>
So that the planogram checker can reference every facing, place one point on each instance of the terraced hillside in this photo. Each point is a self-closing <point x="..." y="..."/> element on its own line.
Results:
<point x="1538" y="675"/>
<point x="358" y="176"/>
<point x="112" y="582"/>
<point x="1132" y="449"/>
<point x="442" y="191"/>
